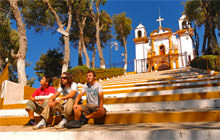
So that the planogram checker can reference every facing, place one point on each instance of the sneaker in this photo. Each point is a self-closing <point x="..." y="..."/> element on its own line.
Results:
<point x="83" y="120"/>
<point x="31" y="122"/>
<point x="72" y="124"/>
<point x="41" y="124"/>
<point x="61" y="124"/>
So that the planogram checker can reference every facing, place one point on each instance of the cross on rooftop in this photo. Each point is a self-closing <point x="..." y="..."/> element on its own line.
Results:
<point x="159" y="20"/>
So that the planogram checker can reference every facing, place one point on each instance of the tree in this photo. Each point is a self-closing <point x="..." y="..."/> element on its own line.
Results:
<point x="8" y="41"/>
<point x="52" y="13"/>
<point x="80" y="15"/>
<point x="205" y="12"/>
<point x="49" y="63"/>
<point x="21" y="54"/>
<point x="105" y="33"/>
<point x="122" y="25"/>
<point x="96" y="15"/>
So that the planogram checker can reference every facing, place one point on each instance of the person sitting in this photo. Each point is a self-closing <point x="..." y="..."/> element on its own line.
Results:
<point x="39" y="99"/>
<point x="94" y="97"/>
<point x="63" y="105"/>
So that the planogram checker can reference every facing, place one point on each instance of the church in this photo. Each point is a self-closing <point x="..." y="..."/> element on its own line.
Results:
<point x="163" y="49"/>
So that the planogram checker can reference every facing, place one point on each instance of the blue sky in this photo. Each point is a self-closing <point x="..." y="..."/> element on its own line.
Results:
<point x="140" y="11"/>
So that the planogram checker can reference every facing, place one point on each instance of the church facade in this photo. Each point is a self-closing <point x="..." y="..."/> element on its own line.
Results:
<point x="163" y="49"/>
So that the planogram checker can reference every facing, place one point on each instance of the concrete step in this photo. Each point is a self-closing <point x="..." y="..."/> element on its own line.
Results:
<point x="149" y="131"/>
<point x="131" y="117"/>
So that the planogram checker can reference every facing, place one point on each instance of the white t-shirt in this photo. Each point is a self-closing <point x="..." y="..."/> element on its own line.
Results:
<point x="65" y="91"/>
<point x="92" y="92"/>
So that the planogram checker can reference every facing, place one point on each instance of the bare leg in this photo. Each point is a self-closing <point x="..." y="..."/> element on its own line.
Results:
<point x="77" y="113"/>
<point x="31" y="114"/>
<point x="97" y="114"/>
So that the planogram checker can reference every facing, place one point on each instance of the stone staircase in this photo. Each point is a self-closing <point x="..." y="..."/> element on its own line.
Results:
<point x="165" y="97"/>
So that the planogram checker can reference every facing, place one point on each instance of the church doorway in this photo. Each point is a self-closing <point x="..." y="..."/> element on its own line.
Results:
<point x="163" y="66"/>
<point x="162" y="49"/>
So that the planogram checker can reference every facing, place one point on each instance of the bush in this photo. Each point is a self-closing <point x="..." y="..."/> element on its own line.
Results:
<point x="207" y="62"/>
<point x="79" y="73"/>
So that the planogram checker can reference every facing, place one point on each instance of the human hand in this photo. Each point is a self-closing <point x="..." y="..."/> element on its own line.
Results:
<point x="51" y="103"/>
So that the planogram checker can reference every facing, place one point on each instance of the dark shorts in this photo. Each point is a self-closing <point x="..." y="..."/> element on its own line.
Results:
<point x="89" y="108"/>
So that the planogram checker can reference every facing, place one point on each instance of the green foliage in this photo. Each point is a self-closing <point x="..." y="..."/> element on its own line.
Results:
<point x="37" y="12"/>
<point x="8" y="41"/>
<point x="207" y="62"/>
<point x="205" y="12"/>
<point x="122" y="25"/>
<point x="79" y="73"/>
<point x="49" y="64"/>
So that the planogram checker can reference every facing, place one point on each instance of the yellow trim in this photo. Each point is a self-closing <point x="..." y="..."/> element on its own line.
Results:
<point x="28" y="91"/>
<point x="1" y="102"/>
<point x="152" y="46"/>
<point x="163" y="35"/>
<point x="160" y="88"/>
<point x="13" y="106"/>
<point x="170" y="43"/>
<point x="4" y="75"/>
<point x="141" y="39"/>
<point x="163" y="98"/>
<point x="183" y="31"/>
<point x="136" y="117"/>
<point x="175" y="51"/>
<point x="163" y="117"/>
<point x="177" y="63"/>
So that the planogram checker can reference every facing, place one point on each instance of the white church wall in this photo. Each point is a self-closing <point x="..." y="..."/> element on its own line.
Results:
<point x="158" y="42"/>
<point x="140" y="51"/>
<point x="187" y="47"/>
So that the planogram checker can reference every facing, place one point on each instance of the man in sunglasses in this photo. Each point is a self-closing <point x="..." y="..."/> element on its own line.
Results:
<point x="94" y="108"/>
<point x="39" y="99"/>
<point x="63" y="105"/>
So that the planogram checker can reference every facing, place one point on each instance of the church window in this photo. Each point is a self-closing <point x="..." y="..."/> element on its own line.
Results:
<point x="162" y="50"/>
<point x="184" y="26"/>
<point x="139" y="33"/>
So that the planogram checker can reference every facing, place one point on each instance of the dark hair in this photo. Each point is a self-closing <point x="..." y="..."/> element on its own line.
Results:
<point x="91" y="71"/>
<point x="48" y="79"/>
<point x="69" y="79"/>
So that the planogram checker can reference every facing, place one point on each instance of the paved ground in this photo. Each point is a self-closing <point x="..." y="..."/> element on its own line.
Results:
<point x="120" y="127"/>
<point x="166" y="131"/>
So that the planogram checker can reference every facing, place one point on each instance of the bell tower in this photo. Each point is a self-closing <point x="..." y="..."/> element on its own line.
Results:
<point x="140" y="48"/>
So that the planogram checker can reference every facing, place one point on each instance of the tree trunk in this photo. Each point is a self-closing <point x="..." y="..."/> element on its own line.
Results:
<point x="66" y="54"/>
<point x="93" y="57"/>
<point x="1" y="63"/>
<point x="98" y="43"/>
<point x="21" y="55"/>
<point x="80" y="63"/>
<point x="126" y="54"/>
<point x="61" y="26"/>
<point x="82" y="43"/>
<point x="213" y="44"/>
<point x="196" y="42"/>
<point x="204" y="39"/>
<point x="86" y="54"/>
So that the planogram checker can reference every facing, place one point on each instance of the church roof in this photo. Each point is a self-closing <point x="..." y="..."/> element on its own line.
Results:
<point x="140" y="26"/>
<point x="182" y="17"/>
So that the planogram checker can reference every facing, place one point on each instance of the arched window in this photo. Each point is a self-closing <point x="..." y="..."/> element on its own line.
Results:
<point x="162" y="50"/>
<point x="184" y="26"/>
<point x="139" y="33"/>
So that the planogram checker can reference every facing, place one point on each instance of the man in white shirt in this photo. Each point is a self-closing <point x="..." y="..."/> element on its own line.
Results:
<point x="64" y="104"/>
<point x="94" y="96"/>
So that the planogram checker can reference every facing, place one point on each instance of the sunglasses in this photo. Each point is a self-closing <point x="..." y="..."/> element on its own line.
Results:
<point x="63" y="77"/>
